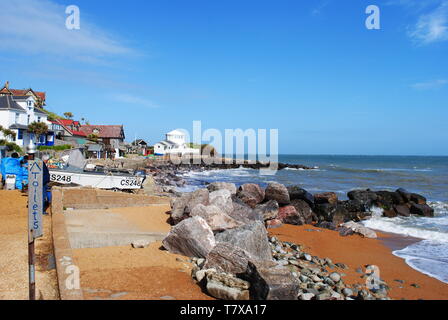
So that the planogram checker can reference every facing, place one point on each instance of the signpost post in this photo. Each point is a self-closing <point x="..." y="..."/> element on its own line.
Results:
<point x="35" y="207"/>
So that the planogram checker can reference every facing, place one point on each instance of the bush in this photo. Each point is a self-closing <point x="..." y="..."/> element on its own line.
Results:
<point x="11" y="146"/>
<point x="55" y="148"/>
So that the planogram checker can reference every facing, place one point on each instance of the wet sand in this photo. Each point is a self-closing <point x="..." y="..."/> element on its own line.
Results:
<point x="357" y="252"/>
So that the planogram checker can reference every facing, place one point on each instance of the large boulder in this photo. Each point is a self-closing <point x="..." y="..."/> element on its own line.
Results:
<point x="402" y="210"/>
<point x="182" y="206"/>
<point x="278" y="192"/>
<point x="356" y="210"/>
<point x="411" y="197"/>
<point x="422" y="210"/>
<point x="387" y="199"/>
<point x="228" y="258"/>
<point x="222" y="199"/>
<point x="270" y="283"/>
<point x="326" y="197"/>
<point x="366" y="197"/>
<point x="178" y="208"/>
<point x="336" y="213"/>
<point x="297" y="193"/>
<point x="215" y="186"/>
<point x="215" y="217"/>
<point x="304" y="210"/>
<point x="268" y="210"/>
<point x="251" y="194"/>
<point x="252" y="238"/>
<point x="418" y="199"/>
<point x="192" y="237"/>
<point x="289" y="215"/>
<point x="360" y="229"/>
<point x="200" y="196"/>
<point x="274" y="223"/>
<point x="243" y="212"/>
<point x="227" y="287"/>
<point x="405" y="195"/>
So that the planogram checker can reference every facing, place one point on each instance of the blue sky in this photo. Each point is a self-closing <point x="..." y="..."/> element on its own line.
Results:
<point x="308" y="68"/>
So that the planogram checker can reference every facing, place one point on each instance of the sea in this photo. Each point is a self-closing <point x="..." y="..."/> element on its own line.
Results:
<point x="426" y="175"/>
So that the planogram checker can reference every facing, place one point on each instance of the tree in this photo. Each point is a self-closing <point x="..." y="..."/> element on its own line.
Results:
<point x="68" y="115"/>
<point x="38" y="128"/>
<point x="8" y="133"/>
<point x="94" y="137"/>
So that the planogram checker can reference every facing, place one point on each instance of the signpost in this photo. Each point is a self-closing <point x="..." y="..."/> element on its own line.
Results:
<point x="35" y="208"/>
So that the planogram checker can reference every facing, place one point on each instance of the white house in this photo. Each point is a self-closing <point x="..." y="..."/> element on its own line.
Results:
<point x="16" y="113"/>
<point x="174" y="144"/>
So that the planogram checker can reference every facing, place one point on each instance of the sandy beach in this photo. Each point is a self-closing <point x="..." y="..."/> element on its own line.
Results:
<point x="356" y="252"/>
<point x="153" y="273"/>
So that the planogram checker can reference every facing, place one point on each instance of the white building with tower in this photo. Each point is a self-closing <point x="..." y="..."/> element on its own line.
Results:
<point x="174" y="144"/>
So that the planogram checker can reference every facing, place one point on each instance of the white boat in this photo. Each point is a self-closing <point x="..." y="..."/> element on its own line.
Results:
<point x="98" y="180"/>
<point x="75" y="174"/>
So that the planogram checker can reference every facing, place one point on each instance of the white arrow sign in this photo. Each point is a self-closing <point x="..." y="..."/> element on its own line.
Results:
<point x="35" y="199"/>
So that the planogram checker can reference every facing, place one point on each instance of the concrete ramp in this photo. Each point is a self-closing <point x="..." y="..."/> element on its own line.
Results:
<point x="101" y="228"/>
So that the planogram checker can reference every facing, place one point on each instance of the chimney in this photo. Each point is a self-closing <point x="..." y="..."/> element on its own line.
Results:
<point x="7" y="85"/>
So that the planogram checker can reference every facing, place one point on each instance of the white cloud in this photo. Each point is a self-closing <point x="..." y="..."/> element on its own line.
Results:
<point x="38" y="27"/>
<point x="431" y="27"/>
<point x="435" y="84"/>
<point x="134" y="100"/>
<point x="318" y="10"/>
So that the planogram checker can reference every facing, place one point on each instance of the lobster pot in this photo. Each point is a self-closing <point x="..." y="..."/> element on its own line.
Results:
<point x="10" y="182"/>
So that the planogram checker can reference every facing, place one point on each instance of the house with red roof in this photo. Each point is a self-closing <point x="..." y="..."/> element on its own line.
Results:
<point x="110" y="136"/>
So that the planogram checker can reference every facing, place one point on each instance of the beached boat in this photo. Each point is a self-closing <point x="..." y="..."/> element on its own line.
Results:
<point x="73" y="171"/>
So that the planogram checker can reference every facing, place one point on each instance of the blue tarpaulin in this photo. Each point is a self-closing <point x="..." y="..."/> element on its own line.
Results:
<point x="13" y="166"/>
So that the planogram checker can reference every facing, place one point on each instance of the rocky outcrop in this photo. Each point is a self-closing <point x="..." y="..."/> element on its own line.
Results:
<point x="393" y="203"/>
<point x="277" y="192"/>
<point x="192" y="237"/>
<point x="251" y="194"/>
<point x="215" y="217"/>
<point x="251" y="237"/>
<point x="422" y="210"/>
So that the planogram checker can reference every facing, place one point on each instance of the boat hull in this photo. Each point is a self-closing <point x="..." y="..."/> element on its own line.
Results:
<point x="100" y="181"/>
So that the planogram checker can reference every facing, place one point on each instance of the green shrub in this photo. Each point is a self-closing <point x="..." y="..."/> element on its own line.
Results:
<point x="11" y="146"/>
<point x="55" y="148"/>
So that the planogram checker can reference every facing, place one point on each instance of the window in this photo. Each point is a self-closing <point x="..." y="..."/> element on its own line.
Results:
<point x="38" y="119"/>
<point x="28" y="119"/>
<point x="20" y="134"/>
<point x="17" y="117"/>
<point x="30" y="103"/>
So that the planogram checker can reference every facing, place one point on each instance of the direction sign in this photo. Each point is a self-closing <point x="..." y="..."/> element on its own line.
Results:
<point x="35" y="199"/>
